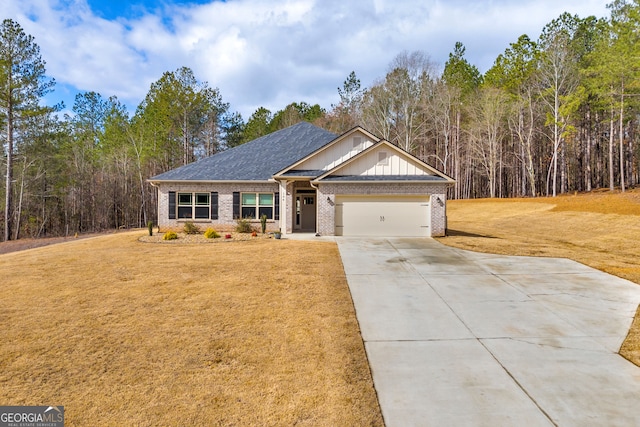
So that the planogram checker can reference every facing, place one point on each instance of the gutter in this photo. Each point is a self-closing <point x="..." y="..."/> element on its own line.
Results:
<point x="200" y="181"/>
<point x="448" y="183"/>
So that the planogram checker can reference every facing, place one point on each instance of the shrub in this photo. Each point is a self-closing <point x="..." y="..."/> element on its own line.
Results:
<point x="210" y="233"/>
<point x="170" y="235"/>
<point x="191" y="228"/>
<point x="244" y="226"/>
<point x="263" y="223"/>
<point x="150" y="227"/>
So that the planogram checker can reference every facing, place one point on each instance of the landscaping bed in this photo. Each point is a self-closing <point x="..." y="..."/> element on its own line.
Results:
<point x="200" y="238"/>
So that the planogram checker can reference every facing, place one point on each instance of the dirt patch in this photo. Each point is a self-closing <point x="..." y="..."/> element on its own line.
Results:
<point x="24" y="244"/>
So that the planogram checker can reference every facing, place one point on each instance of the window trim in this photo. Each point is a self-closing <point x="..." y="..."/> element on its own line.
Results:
<point x="257" y="204"/>
<point x="194" y="206"/>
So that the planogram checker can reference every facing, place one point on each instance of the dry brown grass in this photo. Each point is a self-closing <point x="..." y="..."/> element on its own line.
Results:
<point x="600" y="229"/>
<point x="128" y="333"/>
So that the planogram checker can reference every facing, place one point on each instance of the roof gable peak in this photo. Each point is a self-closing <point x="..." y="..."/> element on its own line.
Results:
<point x="333" y="153"/>
<point x="385" y="159"/>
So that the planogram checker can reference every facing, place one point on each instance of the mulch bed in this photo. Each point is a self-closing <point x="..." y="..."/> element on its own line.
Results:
<point x="199" y="238"/>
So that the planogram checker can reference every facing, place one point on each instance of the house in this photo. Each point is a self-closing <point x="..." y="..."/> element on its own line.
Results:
<point x="306" y="179"/>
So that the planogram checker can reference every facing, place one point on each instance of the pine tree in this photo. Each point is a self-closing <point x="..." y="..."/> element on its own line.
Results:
<point x="22" y="84"/>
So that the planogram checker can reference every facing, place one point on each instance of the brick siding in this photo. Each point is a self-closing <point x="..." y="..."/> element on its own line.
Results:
<point x="225" y="192"/>
<point x="327" y="196"/>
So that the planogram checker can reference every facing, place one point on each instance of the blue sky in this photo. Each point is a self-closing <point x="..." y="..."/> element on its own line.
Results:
<point x="264" y="52"/>
<point x="114" y="9"/>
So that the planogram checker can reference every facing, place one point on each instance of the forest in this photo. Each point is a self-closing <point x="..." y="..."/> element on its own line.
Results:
<point x="554" y="114"/>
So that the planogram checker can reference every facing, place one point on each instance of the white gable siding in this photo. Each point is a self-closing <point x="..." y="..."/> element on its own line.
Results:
<point x="394" y="164"/>
<point x="338" y="153"/>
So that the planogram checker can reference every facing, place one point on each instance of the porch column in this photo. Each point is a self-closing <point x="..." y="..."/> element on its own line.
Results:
<point x="283" y="206"/>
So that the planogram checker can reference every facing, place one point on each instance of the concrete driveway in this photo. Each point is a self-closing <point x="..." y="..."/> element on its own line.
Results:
<point x="456" y="338"/>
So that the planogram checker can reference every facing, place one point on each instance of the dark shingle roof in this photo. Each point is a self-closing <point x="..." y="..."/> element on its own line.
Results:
<point x="256" y="160"/>
<point x="311" y="172"/>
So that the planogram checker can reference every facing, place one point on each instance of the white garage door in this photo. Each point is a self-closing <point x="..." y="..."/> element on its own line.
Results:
<point x="383" y="216"/>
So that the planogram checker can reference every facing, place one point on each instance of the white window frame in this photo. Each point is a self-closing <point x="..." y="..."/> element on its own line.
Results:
<point x="192" y="205"/>
<point x="257" y="204"/>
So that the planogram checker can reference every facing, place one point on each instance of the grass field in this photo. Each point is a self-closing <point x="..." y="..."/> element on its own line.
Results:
<point x="121" y="332"/>
<point x="599" y="229"/>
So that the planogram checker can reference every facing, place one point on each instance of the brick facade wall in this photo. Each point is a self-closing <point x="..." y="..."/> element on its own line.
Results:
<point x="327" y="196"/>
<point x="225" y="219"/>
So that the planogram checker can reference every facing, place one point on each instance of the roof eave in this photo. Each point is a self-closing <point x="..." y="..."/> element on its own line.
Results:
<point x="295" y="178"/>
<point x="383" y="181"/>
<point x="209" y="181"/>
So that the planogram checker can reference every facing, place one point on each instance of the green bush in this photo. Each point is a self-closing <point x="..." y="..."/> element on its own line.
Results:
<point x="263" y="223"/>
<point x="244" y="226"/>
<point x="150" y="227"/>
<point x="210" y="233"/>
<point x="191" y="228"/>
<point x="170" y="235"/>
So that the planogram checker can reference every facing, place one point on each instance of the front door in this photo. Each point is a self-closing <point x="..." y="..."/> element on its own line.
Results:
<point x="305" y="213"/>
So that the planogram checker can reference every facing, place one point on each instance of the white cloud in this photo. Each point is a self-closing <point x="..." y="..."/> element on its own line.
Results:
<point x="261" y="53"/>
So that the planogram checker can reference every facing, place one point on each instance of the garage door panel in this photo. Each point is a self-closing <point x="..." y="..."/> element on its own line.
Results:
<point x="378" y="216"/>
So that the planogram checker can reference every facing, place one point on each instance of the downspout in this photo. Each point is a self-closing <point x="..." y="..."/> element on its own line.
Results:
<point x="153" y="184"/>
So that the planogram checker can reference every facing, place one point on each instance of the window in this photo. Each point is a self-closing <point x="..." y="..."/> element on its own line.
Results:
<point x="254" y="205"/>
<point x="202" y="205"/>
<point x="185" y="205"/>
<point x="193" y="205"/>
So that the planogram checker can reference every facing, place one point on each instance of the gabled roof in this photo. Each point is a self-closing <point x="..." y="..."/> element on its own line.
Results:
<point x="337" y="173"/>
<point x="290" y="170"/>
<point x="257" y="160"/>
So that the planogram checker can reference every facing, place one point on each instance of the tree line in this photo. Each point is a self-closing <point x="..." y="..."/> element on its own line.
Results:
<point x="552" y="115"/>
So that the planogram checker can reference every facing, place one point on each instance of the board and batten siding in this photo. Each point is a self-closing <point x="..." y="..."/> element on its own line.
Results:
<point x="337" y="153"/>
<point x="383" y="161"/>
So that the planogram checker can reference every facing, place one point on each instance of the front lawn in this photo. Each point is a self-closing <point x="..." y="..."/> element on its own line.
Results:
<point x="121" y="332"/>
